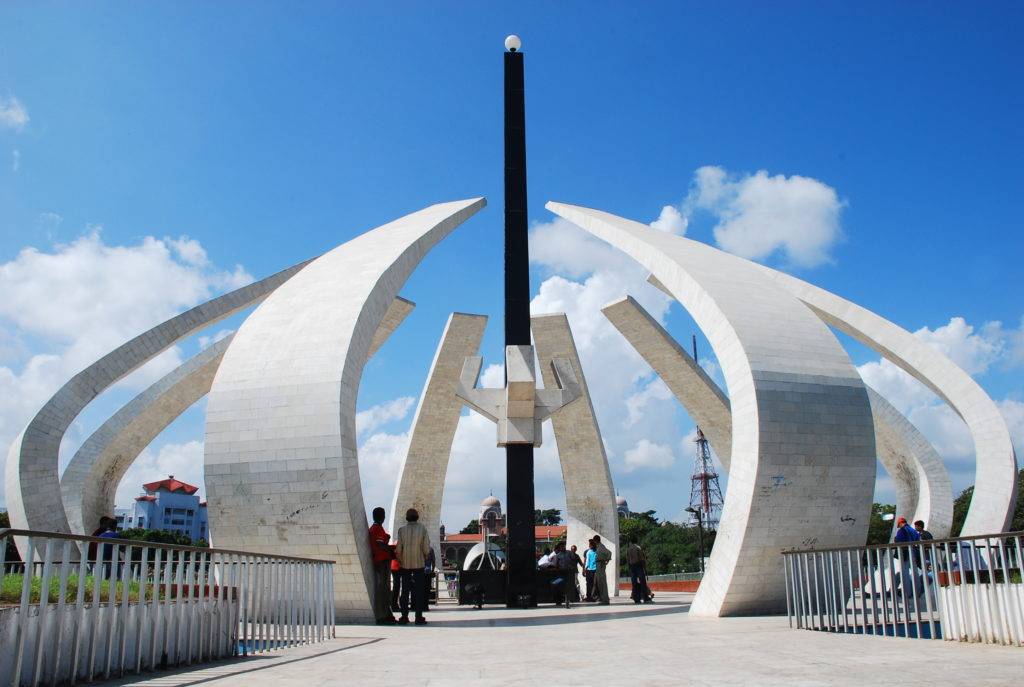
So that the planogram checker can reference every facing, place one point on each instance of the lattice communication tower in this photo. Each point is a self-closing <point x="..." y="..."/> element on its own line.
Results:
<point x="705" y="492"/>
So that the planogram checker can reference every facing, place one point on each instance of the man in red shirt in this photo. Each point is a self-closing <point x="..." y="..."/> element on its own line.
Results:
<point x="382" y="556"/>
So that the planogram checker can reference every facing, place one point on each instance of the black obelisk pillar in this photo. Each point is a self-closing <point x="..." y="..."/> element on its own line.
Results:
<point x="518" y="457"/>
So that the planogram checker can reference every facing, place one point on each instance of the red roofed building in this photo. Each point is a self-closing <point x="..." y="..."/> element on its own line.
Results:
<point x="170" y="484"/>
<point x="167" y="504"/>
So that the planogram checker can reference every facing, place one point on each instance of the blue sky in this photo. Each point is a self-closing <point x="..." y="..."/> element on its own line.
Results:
<point x="270" y="132"/>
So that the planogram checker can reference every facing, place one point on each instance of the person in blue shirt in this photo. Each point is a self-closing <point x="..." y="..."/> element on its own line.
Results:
<point x="590" y="569"/>
<point x="905" y="534"/>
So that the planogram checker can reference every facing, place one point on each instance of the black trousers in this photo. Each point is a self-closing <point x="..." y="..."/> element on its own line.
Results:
<point x="589" y="574"/>
<point x="412" y="586"/>
<point x="638" y="579"/>
<point x="396" y="589"/>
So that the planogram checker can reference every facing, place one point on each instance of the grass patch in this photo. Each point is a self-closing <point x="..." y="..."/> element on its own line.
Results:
<point x="10" y="590"/>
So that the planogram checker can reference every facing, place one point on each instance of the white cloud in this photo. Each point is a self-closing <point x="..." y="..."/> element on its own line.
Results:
<point x="380" y="457"/>
<point x="759" y="215"/>
<point x="65" y="307"/>
<point x="566" y="249"/>
<point x="383" y="413"/>
<point x="207" y="341"/>
<point x="671" y="221"/>
<point x="184" y="461"/>
<point x="15" y="160"/>
<point x="977" y="350"/>
<point x="493" y="377"/>
<point x="974" y="352"/>
<point x="649" y="455"/>
<point x="189" y="250"/>
<point x="13" y="114"/>
<point x="637" y="404"/>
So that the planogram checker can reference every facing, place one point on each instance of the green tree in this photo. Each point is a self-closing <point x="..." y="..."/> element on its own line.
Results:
<point x="960" y="505"/>
<point x="547" y="516"/>
<point x="472" y="528"/>
<point x="879" y="530"/>
<point x="1017" y="524"/>
<point x="963" y="503"/>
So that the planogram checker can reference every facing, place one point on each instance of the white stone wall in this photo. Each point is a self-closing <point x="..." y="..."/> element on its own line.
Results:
<point x="589" y="493"/>
<point x="920" y="479"/>
<point x="803" y="455"/>
<point x="91" y="478"/>
<point x="280" y="453"/>
<point x="421" y="478"/>
<point x="995" y="481"/>
<point x="32" y="484"/>
<point x="923" y="489"/>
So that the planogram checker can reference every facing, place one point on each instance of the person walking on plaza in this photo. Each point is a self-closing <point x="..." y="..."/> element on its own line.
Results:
<point x="412" y="547"/>
<point x="638" y="574"/>
<point x="382" y="556"/>
<point x="590" y="569"/>
<point x="601" y="574"/>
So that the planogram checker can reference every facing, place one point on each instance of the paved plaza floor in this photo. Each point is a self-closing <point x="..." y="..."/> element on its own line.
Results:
<point x="621" y="644"/>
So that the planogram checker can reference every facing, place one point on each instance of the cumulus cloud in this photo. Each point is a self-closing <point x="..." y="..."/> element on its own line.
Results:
<point x="647" y="455"/>
<point x="759" y="215"/>
<point x="13" y="114"/>
<point x="977" y="350"/>
<point x="381" y="414"/>
<point x="184" y="461"/>
<point x="66" y="306"/>
<point x="671" y="221"/>
<point x="636" y="405"/>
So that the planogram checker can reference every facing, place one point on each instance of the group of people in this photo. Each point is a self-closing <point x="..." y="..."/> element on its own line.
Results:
<point x="905" y="532"/>
<point x="405" y="562"/>
<point x="594" y="565"/>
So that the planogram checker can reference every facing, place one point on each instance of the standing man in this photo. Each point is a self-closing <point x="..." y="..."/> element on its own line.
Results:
<point x="921" y="531"/>
<point x="577" y="565"/>
<point x="637" y="573"/>
<point x="412" y="548"/>
<point x="590" y="568"/>
<point x="381" y="569"/>
<point x="603" y="557"/>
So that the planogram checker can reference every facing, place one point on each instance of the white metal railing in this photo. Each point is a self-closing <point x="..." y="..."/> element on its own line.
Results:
<point x="82" y="608"/>
<point x="966" y="589"/>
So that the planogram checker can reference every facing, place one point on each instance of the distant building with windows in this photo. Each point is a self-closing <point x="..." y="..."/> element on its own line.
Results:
<point x="168" y="504"/>
<point x="493" y="523"/>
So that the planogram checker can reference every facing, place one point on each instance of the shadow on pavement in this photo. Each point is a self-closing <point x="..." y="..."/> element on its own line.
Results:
<point x="231" y="668"/>
<point x="436" y="617"/>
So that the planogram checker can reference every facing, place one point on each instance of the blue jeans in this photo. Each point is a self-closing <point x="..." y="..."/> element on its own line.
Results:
<point x="412" y="585"/>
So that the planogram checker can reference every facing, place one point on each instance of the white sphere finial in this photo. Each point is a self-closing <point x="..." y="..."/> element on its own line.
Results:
<point x="513" y="44"/>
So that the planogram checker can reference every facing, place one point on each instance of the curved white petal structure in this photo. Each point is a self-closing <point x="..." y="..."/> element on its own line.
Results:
<point x="589" y="494"/>
<point x="923" y="490"/>
<point x="796" y="479"/>
<point x="281" y="467"/>
<point x="422" y="475"/>
<point x="32" y="482"/>
<point x="91" y="478"/>
<point x="688" y="382"/>
<point x="995" y="482"/>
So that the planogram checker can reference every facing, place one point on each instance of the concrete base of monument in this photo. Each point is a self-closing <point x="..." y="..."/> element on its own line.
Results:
<point x="618" y="644"/>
